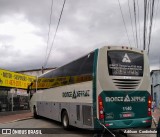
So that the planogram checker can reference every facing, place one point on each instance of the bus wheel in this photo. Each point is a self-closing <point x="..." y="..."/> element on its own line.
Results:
<point x="65" y="120"/>
<point x="35" y="113"/>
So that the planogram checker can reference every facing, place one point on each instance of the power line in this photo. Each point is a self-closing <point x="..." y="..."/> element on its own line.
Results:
<point x="131" y="23"/>
<point x="50" y="20"/>
<point x="148" y="21"/>
<point x="55" y="33"/>
<point x="144" y="30"/>
<point x="135" y="20"/>
<point x="151" y="22"/>
<point x="124" y="22"/>
<point x="156" y="13"/>
<point x="139" y="25"/>
<point x="148" y="9"/>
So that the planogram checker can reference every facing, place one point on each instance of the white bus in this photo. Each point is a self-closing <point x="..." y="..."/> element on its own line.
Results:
<point x="109" y="87"/>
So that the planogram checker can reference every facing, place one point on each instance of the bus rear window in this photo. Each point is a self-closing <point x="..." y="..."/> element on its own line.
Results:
<point x="125" y="63"/>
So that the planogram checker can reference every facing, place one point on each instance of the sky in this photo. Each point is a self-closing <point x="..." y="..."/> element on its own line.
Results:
<point x="85" y="25"/>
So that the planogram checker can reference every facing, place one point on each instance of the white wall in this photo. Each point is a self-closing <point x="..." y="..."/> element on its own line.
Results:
<point x="155" y="77"/>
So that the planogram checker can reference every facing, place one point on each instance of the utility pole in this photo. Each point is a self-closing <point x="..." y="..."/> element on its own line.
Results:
<point x="42" y="69"/>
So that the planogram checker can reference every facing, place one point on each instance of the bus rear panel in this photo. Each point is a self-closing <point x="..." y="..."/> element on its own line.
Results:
<point x="123" y="88"/>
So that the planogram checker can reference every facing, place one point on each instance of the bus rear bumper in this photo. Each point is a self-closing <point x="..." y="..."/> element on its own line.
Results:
<point x="129" y="123"/>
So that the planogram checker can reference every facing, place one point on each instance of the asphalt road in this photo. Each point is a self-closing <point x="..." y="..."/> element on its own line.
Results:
<point x="54" y="127"/>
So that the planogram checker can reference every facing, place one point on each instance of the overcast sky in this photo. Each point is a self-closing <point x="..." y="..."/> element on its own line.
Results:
<point x="85" y="25"/>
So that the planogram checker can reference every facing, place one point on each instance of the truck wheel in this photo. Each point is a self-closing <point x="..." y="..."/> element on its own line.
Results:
<point x="35" y="113"/>
<point x="65" y="120"/>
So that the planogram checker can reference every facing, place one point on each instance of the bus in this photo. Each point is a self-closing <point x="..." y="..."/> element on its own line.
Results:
<point x="108" y="87"/>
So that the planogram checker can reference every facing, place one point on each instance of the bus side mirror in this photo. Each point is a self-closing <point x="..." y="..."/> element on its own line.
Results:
<point x="29" y="88"/>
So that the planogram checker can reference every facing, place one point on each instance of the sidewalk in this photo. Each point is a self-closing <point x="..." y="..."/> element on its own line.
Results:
<point x="6" y="117"/>
<point x="156" y="115"/>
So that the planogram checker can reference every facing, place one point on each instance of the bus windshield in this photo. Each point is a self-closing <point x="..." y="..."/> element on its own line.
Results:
<point x="125" y="63"/>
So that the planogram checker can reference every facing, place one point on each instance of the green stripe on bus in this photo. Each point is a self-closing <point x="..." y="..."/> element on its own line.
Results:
<point x="96" y="124"/>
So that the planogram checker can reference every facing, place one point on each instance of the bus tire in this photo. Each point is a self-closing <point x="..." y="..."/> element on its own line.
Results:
<point x="35" y="115"/>
<point x="65" y="120"/>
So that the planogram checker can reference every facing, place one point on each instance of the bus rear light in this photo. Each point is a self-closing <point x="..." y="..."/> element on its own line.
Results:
<point x="149" y="113"/>
<point x="110" y="124"/>
<point x="147" y="121"/>
<point x="101" y="117"/>
<point x="100" y="105"/>
<point x="107" y="125"/>
<point x="101" y="112"/>
<point x="149" y="105"/>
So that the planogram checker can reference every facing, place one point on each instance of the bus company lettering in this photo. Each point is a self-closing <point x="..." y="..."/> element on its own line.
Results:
<point x="126" y="99"/>
<point x="74" y="94"/>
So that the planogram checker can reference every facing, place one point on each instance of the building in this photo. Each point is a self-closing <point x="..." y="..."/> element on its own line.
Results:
<point x="16" y="99"/>
<point x="35" y="72"/>
<point x="155" y="86"/>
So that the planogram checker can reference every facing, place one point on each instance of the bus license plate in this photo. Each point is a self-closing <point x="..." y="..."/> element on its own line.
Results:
<point x="127" y="115"/>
